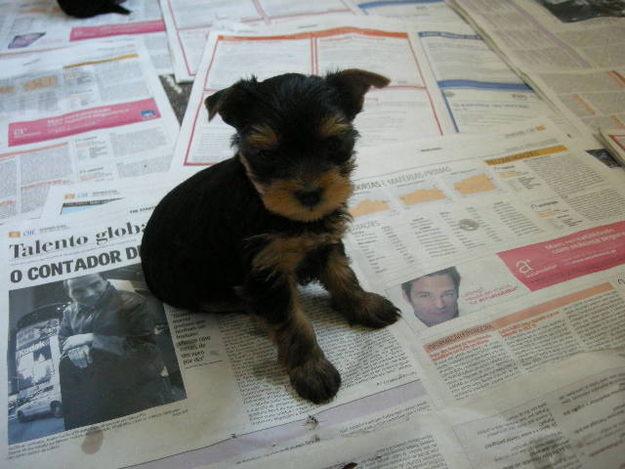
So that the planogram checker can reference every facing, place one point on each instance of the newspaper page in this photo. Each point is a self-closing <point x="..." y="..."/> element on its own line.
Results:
<point x="570" y="51"/>
<point x="200" y="378"/>
<point x="502" y="256"/>
<point x="85" y="113"/>
<point x="189" y="23"/>
<point x="35" y="26"/>
<point x="408" y="108"/>
<point x="614" y="140"/>
<point x="565" y="416"/>
<point x="31" y="25"/>
<point x="444" y="80"/>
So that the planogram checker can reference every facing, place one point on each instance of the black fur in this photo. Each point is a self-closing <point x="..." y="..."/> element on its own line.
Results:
<point x="204" y="236"/>
<point x="90" y="8"/>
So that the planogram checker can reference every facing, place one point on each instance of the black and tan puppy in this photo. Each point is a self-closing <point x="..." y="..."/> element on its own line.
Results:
<point x="271" y="217"/>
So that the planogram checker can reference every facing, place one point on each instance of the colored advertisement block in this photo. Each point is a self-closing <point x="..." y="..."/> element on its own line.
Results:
<point x="548" y="263"/>
<point x="103" y="117"/>
<point x="93" y="32"/>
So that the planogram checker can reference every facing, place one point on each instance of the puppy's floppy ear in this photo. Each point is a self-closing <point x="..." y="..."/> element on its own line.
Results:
<point x="352" y="84"/>
<point x="232" y="104"/>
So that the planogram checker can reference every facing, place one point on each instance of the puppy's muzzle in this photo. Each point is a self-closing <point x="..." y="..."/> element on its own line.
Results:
<point x="309" y="198"/>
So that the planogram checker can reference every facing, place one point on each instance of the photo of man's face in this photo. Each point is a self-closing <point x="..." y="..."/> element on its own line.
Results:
<point x="86" y="290"/>
<point x="434" y="298"/>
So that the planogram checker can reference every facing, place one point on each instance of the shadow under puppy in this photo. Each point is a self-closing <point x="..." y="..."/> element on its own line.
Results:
<point x="271" y="217"/>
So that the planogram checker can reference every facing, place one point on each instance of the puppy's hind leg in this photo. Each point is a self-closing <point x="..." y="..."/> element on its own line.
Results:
<point x="274" y="298"/>
<point x="358" y="306"/>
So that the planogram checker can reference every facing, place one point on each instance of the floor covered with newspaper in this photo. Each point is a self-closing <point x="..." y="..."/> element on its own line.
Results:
<point x="489" y="207"/>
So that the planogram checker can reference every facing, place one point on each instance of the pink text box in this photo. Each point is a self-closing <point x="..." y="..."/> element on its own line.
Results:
<point x="92" y="32"/>
<point x="103" y="117"/>
<point x="585" y="252"/>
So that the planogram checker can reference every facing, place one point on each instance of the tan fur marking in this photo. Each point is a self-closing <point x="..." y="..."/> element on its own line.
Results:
<point x="279" y="197"/>
<point x="338" y="276"/>
<point x="262" y="136"/>
<point x="284" y="254"/>
<point x="333" y="126"/>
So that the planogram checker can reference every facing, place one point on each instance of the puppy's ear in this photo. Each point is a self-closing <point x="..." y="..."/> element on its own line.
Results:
<point x="352" y="84"/>
<point x="232" y="104"/>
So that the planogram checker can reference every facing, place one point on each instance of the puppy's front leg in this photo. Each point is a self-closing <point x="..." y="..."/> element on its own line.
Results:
<point x="357" y="305"/>
<point x="274" y="298"/>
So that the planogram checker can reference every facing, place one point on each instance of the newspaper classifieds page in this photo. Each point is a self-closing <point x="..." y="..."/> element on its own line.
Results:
<point x="570" y="51"/>
<point x="569" y="415"/>
<point x="408" y="108"/>
<point x="85" y="113"/>
<point x="189" y="23"/>
<point x="197" y="379"/>
<point x="614" y="140"/>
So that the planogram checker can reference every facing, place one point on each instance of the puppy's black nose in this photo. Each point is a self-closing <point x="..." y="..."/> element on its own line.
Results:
<point x="309" y="198"/>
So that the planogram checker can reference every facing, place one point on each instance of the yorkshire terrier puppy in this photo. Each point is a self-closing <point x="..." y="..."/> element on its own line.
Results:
<point x="271" y="217"/>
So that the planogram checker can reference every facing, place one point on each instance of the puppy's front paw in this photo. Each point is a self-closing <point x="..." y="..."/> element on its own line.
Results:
<point x="316" y="380"/>
<point x="370" y="310"/>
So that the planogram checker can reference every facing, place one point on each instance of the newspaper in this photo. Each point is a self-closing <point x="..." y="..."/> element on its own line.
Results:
<point x="546" y="421"/>
<point x="614" y="140"/>
<point x="65" y="200"/>
<point x="189" y="23"/>
<point x="434" y="89"/>
<point x="90" y="112"/>
<point x="475" y="204"/>
<point x="204" y="377"/>
<point x="570" y="51"/>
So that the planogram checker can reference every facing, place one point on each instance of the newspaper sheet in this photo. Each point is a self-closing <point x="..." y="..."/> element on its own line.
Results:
<point x="565" y="416"/>
<point x="570" y="51"/>
<point x="444" y="80"/>
<point x="492" y="204"/>
<point x="199" y="379"/>
<point x="65" y="200"/>
<point x="517" y="193"/>
<point x="29" y="25"/>
<point x="84" y="113"/>
<point x="189" y="23"/>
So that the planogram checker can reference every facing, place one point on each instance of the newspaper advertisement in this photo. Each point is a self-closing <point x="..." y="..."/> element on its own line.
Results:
<point x="570" y="51"/>
<point x="204" y="378"/>
<point x="189" y="23"/>
<point x="86" y="113"/>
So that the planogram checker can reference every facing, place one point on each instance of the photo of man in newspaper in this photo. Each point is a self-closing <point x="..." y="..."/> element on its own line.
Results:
<point x="86" y="350"/>
<point x="434" y="296"/>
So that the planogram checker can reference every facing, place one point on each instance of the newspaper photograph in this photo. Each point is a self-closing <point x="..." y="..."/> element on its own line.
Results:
<point x="92" y="112"/>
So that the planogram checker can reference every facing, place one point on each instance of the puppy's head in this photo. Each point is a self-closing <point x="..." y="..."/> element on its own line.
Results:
<point x="295" y="137"/>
